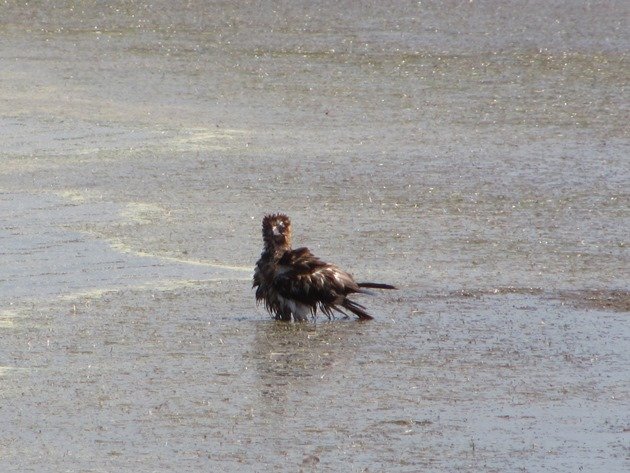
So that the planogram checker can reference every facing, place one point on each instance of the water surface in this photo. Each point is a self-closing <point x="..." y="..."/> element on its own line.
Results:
<point x="475" y="155"/>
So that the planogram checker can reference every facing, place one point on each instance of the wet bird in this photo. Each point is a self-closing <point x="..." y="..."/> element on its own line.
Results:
<point x="295" y="284"/>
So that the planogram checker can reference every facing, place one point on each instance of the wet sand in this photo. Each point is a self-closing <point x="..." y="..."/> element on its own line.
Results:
<point x="474" y="155"/>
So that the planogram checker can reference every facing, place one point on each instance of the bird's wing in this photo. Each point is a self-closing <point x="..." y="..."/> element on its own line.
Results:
<point x="257" y="279"/>
<point x="304" y="277"/>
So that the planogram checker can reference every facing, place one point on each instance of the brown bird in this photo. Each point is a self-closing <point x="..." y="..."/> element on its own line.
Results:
<point x="295" y="283"/>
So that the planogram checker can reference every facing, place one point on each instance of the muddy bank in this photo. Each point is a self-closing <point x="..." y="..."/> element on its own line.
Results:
<point x="617" y="301"/>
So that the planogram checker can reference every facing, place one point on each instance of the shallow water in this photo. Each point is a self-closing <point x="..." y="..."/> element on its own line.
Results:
<point x="475" y="155"/>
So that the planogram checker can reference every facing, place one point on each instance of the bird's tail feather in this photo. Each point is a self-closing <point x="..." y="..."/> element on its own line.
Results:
<point x="356" y="309"/>
<point x="376" y="285"/>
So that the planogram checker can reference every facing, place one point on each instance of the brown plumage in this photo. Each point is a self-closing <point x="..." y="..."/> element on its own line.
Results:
<point x="294" y="283"/>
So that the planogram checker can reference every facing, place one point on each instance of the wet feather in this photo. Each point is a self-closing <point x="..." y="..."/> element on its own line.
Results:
<point x="296" y="284"/>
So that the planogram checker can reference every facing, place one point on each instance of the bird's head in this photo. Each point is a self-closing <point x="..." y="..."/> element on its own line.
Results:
<point x="276" y="230"/>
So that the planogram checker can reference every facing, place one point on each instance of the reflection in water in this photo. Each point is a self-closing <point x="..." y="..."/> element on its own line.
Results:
<point x="293" y="359"/>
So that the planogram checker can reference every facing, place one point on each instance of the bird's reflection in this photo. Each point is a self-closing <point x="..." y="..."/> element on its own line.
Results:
<point x="295" y="359"/>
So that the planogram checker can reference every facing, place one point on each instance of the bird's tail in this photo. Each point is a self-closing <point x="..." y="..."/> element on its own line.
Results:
<point x="376" y="285"/>
<point x="356" y="309"/>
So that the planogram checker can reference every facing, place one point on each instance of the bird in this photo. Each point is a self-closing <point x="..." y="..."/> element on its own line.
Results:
<point x="294" y="283"/>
